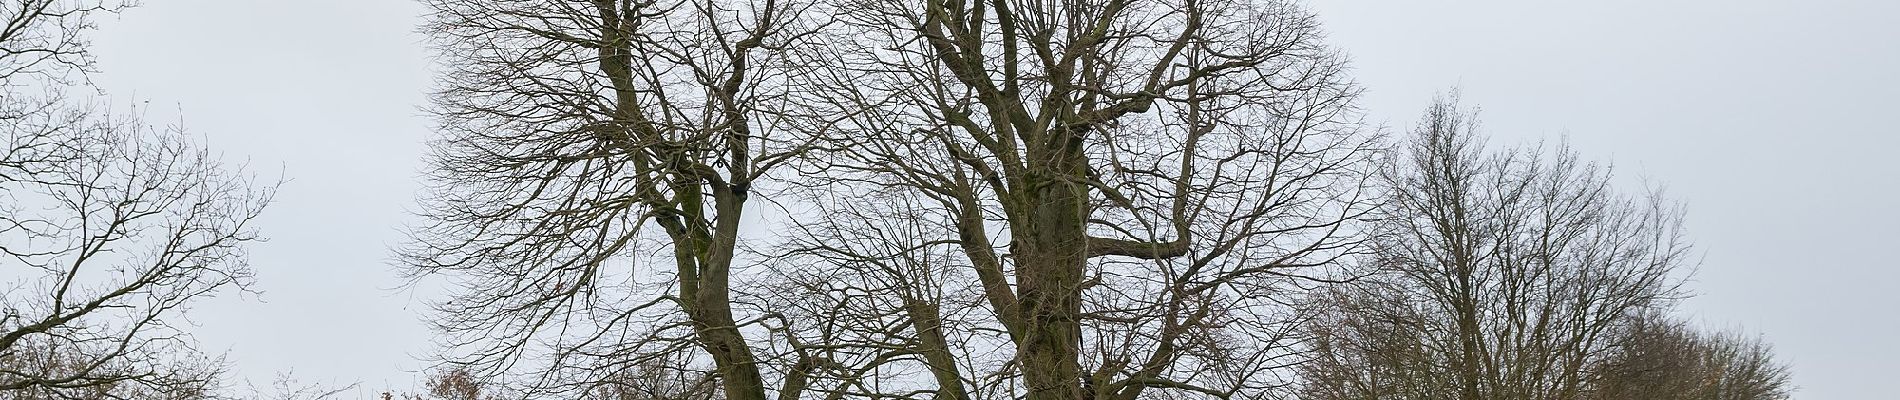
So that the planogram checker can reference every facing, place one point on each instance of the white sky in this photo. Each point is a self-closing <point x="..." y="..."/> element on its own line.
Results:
<point x="1774" y="120"/>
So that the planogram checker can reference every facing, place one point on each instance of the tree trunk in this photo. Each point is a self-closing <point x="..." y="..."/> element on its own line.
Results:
<point x="711" y="305"/>
<point x="1051" y="252"/>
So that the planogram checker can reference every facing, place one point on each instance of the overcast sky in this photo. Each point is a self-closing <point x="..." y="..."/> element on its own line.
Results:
<point x="1775" y="121"/>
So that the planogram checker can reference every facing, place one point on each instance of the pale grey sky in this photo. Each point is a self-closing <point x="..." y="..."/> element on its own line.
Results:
<point x="1774" y="120"/>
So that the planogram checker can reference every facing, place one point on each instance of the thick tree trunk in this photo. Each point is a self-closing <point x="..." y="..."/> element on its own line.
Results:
<point x="738" y="370"/>
<point x="703" y="254"/>
<point x="1051" y="251"/>
<point x="711" y="305"/>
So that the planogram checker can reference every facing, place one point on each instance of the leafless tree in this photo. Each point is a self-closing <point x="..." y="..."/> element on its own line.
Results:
<point x="288" y="386"/>
<point x="46" y="39"/>
<point x="661" y="378"/>
<point x="458" y="384"/>
<point x="580" y="137"/>
<point x="1504" y="274"/>
<point x="1131" y="187"/>
<point x="1661" y="358"/>
<point x="109" y="228"/>
<point x="190" y="378"/>
<point x="673" y="377"/>
<point x="1072" y="200"/>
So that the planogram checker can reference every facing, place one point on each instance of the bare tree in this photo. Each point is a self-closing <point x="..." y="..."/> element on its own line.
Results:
<point x="1072" y="200"/>
<point x="110" y="227"/>
<point x="458" y="384"/>
<point x="673" y="377"/>
<point x="111" y="231"/>
<point x="571" y="130"/>
<point x="662" y="378"/>
<point x="183" y="378"/>
<point x="1156" y="177"/>
<point x="1661" y="358"/>
<point x="287" y="386"/>
<point x="45" y="40"/>
<point x="1504" y="274"/>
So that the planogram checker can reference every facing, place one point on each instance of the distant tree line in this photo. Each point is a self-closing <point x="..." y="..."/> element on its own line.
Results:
<point x="1520" y="274"/>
